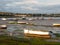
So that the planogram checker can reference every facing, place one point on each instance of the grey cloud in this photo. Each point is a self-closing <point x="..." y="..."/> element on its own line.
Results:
<point x="18" y="8"/>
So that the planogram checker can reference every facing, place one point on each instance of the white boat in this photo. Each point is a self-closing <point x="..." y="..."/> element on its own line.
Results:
<point x="3" y="19"/>
<point x="19" y="22"/>
<point x="30" y="19"/>
<point x="29" y="24"/>
<point x="56" y="24"/>
<point x="3" y="26"/>
<point x="12" y="19"/>
<point x="35" y="33"/>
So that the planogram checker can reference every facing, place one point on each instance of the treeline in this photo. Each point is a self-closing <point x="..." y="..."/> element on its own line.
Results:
<point x="9" y="14"/>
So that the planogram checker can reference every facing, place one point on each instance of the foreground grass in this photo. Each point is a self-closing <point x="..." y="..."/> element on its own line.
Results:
<point x="5" y="40"/>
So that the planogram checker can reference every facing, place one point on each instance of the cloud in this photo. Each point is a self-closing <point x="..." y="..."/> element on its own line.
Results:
<point x="25" y="2"/>
<point x="29" y="8"/>
<point x="30" y="5"/>
<point x="34" y="3"/>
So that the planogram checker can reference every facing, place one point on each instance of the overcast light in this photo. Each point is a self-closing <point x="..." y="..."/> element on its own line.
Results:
<point x="30" y="6"/>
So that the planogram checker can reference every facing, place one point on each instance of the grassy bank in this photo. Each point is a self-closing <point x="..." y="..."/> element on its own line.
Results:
<point x="5" y="40"/>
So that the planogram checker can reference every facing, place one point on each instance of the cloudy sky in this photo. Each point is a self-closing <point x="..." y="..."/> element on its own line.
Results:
<point x="30" y="6"/>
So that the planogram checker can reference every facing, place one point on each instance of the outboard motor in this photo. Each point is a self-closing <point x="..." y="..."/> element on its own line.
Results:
<point x="52" y="34"/>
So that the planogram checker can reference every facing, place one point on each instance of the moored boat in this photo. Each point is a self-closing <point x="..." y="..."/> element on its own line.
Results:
<point x="37" y="33"/>
<point x="19" y="22"/>
<point x="56" y="25"/>
<point x="3" y="26"/>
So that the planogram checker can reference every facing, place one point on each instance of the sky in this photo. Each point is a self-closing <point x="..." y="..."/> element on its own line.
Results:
<point x="30" y="6"/>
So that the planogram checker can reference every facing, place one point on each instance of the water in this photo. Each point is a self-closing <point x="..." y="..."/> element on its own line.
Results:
<point x="46" y="21"/>
<point x="38" y="22"/>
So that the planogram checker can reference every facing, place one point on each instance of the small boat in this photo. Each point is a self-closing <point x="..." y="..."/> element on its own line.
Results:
<point x="23" y="18"/>
<point x="19" y="22"/>
<point x="12" y="19"/>
<point x="56" y="25"/>
<point x="30" y="24"/>
<point x="12" y="22"/>
<point x="35" y="33"/>
<point x="3" y="26"/>
<point x="3" y="19"/>
<point x="30" y="19"/>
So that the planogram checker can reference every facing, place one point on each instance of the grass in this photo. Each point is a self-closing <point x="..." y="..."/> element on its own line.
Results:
<point x="6" y="40"/>
<point x="57" y="35"/>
